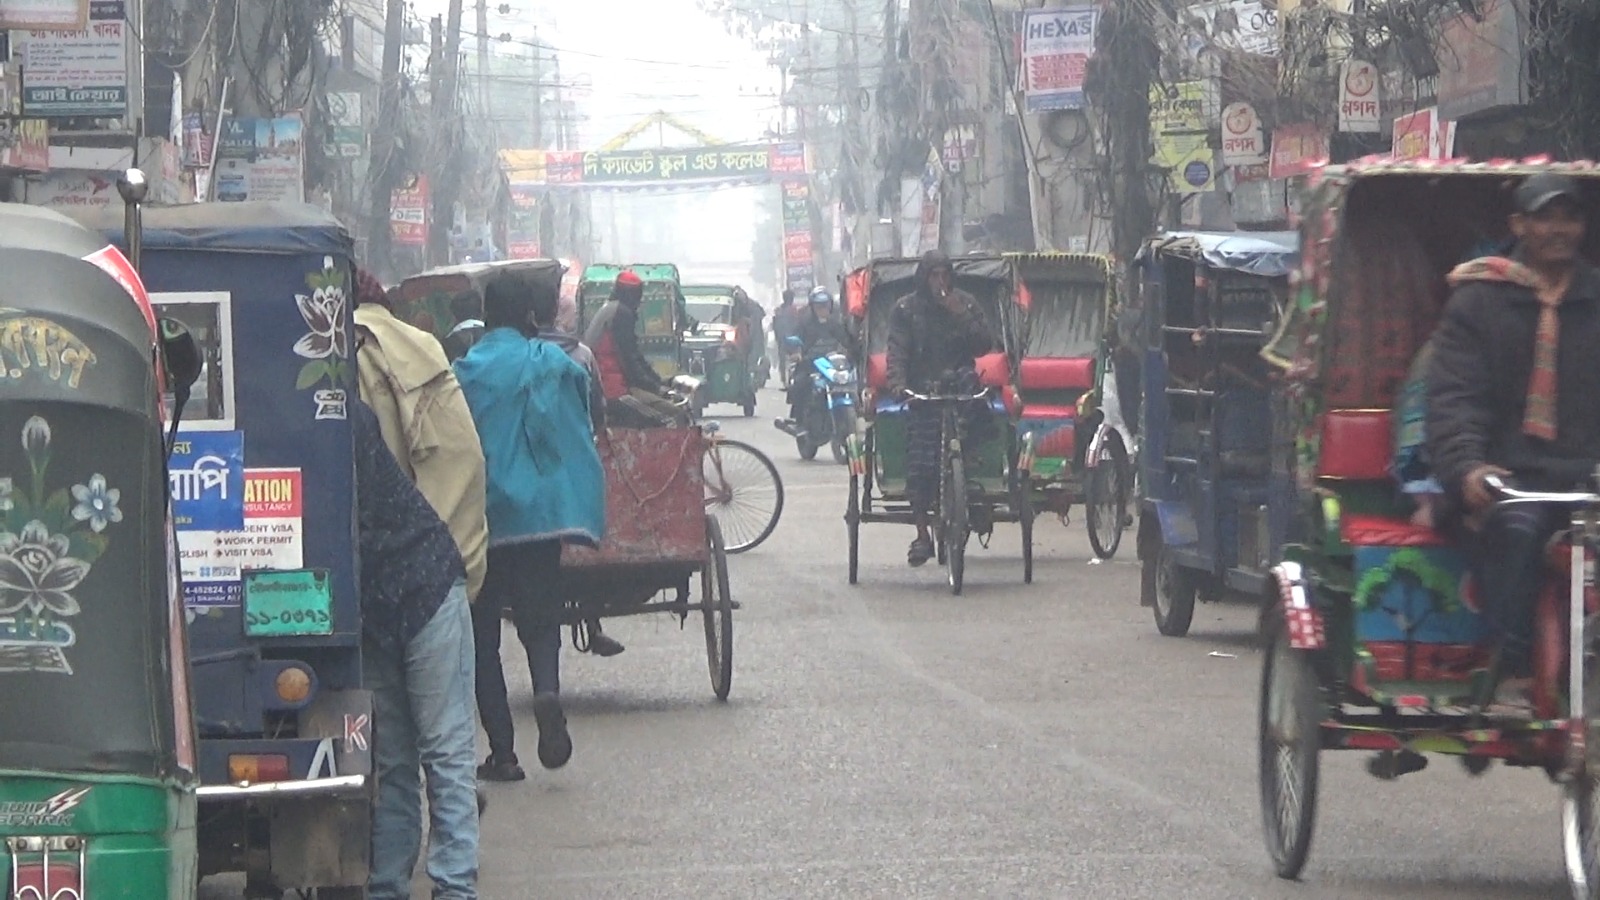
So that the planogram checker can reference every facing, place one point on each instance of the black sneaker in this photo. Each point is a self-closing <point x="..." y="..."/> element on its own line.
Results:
<point x="555" y="744"/>
<point x="501" y="770"/>
<point x="601" y="644"/>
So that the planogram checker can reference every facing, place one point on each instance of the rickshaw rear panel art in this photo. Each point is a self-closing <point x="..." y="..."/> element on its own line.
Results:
<point x="1376" y="635"/>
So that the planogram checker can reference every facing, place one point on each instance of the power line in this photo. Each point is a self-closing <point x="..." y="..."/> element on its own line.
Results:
<point x="541" y="45"/>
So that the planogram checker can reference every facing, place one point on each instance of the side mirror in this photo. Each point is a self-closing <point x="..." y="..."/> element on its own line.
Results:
<point x="180" y="354"/>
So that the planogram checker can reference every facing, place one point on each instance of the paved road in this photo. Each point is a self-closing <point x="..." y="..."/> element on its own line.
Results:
<point x="889" y="740"/>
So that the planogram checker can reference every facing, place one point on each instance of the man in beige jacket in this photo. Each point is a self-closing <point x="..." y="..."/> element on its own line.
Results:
<point x="407" y="381"/>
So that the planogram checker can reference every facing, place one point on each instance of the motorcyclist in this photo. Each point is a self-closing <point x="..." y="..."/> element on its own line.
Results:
<point x="785" y="323"/>
<point x="821" y="331"/>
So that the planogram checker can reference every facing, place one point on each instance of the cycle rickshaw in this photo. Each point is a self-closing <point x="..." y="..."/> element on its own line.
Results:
<point x="1076" y="440"/>
<point x="1375" y="637"/>
<point x="996" y="487"/>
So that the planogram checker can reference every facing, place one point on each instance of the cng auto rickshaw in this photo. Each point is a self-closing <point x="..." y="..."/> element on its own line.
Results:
<point x="263" y="494"/>
<point x="97" y="745"/>
<point x="447" y="302"/>
<point x="717" y="349"/>
<point x="996" y="487"/>
<point x="1209" y="303"/>
<point x="1079" y="449"/>
<point x="663" y="313"/>
<point x="1376" y="633"/>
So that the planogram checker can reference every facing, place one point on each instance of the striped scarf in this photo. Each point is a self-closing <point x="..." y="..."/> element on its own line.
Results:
<point x="1539" y="415"/>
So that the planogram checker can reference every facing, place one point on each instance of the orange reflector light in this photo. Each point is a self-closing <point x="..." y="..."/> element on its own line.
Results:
<point x="293" y="685"/>
<point x="256" y="768"/>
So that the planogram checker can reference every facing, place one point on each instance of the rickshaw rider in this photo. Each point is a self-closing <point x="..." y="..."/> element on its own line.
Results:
<point x="636" y="397"/>
<point x="1512" y="392"/>
<point x="936" y="334"/>
<point x="820" y="332"/>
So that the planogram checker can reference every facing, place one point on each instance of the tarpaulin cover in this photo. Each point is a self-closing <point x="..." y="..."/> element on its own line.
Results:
<point x="246" y="227"/>
<point x="1270" y="254"/>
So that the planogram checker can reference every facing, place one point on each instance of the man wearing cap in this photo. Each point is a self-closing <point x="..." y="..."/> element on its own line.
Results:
<point x="636" y="397"/>
<point x="1513" y="391"/>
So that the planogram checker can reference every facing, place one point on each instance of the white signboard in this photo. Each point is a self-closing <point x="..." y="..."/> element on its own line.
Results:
<point x="1247" y="25"/>
<point x="78" y="73"/>
<point x="1358" y="97"/>
<point x="1056" y="47"/>
<point x="1243" y="142"/>
<point x="43" y="14"/>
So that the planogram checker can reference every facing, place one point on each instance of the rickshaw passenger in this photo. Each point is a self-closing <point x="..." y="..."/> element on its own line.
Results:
<point x="1512" y="392"/>
<point x="418" y="647"/>
<point x="936" y="334"/>
<point x="636" y="397"/>
<point x="529" y="401"/>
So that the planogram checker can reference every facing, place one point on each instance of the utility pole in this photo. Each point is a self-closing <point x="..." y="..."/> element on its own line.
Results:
<point x="447" y="180"/>
<point x="381" y="175"/>
<point x="483" y="62"/>
<point x="538" y="93"/>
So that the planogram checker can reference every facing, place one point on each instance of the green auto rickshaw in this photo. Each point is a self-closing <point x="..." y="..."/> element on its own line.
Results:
<point x="718" y="349"/>
<point x="97" y="736"/>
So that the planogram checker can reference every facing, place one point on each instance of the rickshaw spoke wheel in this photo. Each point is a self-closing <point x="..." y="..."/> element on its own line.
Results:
<point x="955" y="523"/>
<point x="1580" y="834"/>
<point x="1290" y="743"/>
<point x="1106" y="499"/>
<point x="716" y="602"/>
<point x="743" y="492"/>
<point x="852" y="521"/>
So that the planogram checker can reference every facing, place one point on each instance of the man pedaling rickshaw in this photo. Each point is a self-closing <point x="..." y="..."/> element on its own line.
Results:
<point x="636" y="397"/>
<point x="1513" y="392"/>
<point x="936" y="334"/>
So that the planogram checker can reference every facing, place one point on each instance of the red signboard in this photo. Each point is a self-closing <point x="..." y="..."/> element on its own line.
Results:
<point x="1298" y="150"/>
<point x="408" y="213"/>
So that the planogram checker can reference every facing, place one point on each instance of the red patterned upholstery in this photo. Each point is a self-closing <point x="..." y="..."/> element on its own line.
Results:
<point x="1357" y="444"/>
<point x="1359" y="530"/>
<point x="1427" y="662"/>
<point x="1054" y="374"/>
<point x="1031" y="411"/>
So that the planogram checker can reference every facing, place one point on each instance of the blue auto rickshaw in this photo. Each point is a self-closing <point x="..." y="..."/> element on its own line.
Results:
<point x="1206" y="303"/>
<point x="262" y="489"/>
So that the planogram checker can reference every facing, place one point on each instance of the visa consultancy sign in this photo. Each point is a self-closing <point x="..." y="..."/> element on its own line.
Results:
<point x="1057" y="45"/>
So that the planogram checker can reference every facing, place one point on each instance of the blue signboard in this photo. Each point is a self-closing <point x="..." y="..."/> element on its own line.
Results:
<point x="206" y="474"/>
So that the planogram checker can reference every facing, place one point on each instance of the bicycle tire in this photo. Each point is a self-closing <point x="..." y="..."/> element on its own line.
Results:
<point x="745" y="519"/>
<point x="955" y="524"/>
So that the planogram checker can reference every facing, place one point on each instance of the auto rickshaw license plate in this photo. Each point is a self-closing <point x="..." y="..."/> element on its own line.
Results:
<point x="287" y="603"/>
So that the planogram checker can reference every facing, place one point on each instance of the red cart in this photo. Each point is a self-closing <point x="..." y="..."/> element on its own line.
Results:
<point x="659" y="536"/>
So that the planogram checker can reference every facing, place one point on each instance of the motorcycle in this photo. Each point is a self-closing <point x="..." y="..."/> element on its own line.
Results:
<point x="828" y="413"/>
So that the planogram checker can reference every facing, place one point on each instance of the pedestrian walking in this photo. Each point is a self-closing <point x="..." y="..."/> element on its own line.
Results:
<point x="530" y="403"/>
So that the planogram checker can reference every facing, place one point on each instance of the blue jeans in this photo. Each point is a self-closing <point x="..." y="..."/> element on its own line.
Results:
<point x="424" y="703"/>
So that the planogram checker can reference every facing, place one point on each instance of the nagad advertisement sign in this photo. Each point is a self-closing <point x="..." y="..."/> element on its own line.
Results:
<point x="1056" y="47"/>
<point x="657" y="168"/>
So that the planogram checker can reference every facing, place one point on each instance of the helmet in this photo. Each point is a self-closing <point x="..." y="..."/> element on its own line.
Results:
<point x="821" y="297"/>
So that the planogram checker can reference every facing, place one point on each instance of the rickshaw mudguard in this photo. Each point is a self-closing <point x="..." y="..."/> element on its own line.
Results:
<point x="115" y="837"/>
<point x="1177" y="523"/>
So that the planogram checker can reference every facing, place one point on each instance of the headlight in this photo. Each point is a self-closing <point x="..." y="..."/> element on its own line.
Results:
<point x="843" y="376"/>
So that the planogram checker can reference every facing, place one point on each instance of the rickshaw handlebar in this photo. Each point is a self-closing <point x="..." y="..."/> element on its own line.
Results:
<point x="1506" y="495"/>
<point x="946" y="398"/>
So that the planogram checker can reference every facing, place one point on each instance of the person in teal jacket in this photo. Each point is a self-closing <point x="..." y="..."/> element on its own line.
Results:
<point x="530" y="403"/>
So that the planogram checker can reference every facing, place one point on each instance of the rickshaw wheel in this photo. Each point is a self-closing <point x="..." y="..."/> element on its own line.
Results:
<point x="955" y="524"/>
<point x="1174" y="594"/>
<point x="1025" y="519"/>
<point x="1290" y="719"/>
<point x="852" y="522"/>
<point x="717" y="609"/>
<point x="743" y="492"/>
<point x="1580" y="834"/>
<point x="1106" y="499"/>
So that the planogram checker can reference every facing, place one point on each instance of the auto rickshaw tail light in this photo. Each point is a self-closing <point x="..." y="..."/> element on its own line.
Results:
<point x="256" y="768"/>
<point x="293" y="685"/>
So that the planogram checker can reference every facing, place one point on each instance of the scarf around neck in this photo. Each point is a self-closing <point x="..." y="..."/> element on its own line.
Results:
<point x="1539" y="414"/>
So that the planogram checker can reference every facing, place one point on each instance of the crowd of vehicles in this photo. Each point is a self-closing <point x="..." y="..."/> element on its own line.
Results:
<point x="183" y="661"/>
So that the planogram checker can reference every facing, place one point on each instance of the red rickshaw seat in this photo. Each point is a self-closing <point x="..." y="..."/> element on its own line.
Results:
<point x="994" y="370"/>
<point x="1056" y="374"/>
<point x="1048" y="411"/>
<point x="1357" y="445"/>
<point x="1364" y="530"/>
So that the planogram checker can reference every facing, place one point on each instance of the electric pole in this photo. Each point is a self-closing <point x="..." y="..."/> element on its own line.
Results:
<point x="381" y="174"/>
<point x="483" y="61"/>
<point x="447" y="179"/>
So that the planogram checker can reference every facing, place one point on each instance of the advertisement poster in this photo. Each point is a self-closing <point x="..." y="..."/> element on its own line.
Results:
<point x="1245" y="25"/>
<point x="30" y="148"/>
<point x="799" y="264"/>
<point x="1423" y="135"/>
<point x="43" y="14"/>
<point x="270" y="535"/>
<point x="261" y="159"/>
<point x="348" y="138"/>
<point x="1358" y="97"/>
<point x="1189" y="161"/>
<point x="1056" y="47"/>
<point x="78" y="73"/>
<point x="1243" y="143"/>
<point x="72" y="189"/>
<point x="522" y="237"/>
<point x="408" y="213"/>
<point x="1297" y="150"/>
<point x="1183" y="107"/>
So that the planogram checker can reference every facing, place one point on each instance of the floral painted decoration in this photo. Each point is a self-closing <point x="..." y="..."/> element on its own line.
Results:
<point x="325" y="345"/>
<point x="50" y="542"/>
